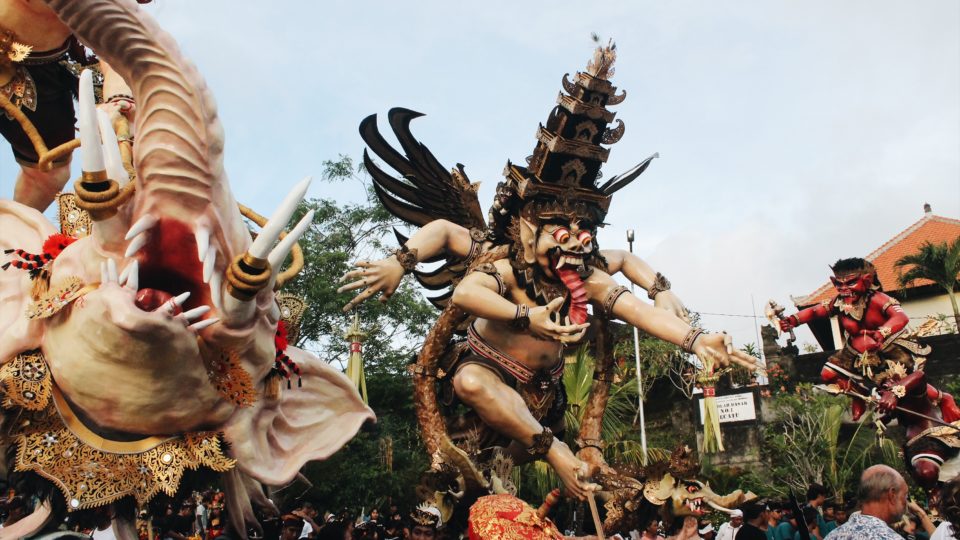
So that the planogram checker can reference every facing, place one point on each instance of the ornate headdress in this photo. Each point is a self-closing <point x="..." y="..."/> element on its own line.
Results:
<point x="563" y="172"/>
<point x="426" y="515"/>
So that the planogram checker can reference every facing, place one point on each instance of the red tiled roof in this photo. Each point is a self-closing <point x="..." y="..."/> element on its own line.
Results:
<point x="931" y="228"/>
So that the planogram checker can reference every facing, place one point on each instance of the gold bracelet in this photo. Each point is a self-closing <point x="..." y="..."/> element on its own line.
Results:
<point x="541" y="443"/>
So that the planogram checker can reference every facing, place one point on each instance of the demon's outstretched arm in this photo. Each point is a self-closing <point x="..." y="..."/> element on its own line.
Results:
<point x="804" y="316"/>
<point x="713" y="349"/>
<point x="642" y="274"/>
<point x="383" y="276"/>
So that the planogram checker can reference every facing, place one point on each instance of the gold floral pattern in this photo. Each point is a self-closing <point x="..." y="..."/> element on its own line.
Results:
<point x="86" y="475"/>
<point x="26" y="382"/>
<point x="57" y="298"/>
<point x="232" y="382"/>
<point x="74" y="221"/>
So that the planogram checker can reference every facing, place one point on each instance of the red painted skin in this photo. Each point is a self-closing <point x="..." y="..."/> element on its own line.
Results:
<point x="865" y="335"/>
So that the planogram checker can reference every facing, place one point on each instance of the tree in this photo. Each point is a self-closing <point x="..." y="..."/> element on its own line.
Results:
<point x="939" y="263"/>
<point x="808" y="443"/>
<point x="339" y="235"/>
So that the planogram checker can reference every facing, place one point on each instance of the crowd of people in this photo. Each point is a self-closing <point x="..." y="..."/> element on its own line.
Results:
<point x="202" y="516"/>
<point x="881" y="511"/>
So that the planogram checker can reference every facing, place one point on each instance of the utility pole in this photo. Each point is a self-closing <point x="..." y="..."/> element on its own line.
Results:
<point x="636" y="355"/>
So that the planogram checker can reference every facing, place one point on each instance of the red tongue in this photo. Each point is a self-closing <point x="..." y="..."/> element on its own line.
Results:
<point x="151" y="299"/>
<point x="578" y="295"/>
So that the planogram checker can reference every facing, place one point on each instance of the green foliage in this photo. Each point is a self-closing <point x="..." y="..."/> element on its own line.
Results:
<point x="341" y="234"/>
<point x="940" y="263"/>
<point x="809" y="443"/>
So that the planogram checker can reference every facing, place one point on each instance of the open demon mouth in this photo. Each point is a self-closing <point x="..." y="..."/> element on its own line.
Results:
<point x="164" y="270"/>
<point x="566" y="260"/>
<point x="695" y="506"/>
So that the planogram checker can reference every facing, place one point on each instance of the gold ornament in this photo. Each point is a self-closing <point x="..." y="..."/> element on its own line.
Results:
<point x="74" y="221"/>
<point x="57" y="298"/>
<point x="89" y="470"/>
<point x="26" y="382"/>
<point x="232" y="382"/>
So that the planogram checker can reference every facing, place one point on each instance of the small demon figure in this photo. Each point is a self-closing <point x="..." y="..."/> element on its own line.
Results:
<point x="879" y="358"/>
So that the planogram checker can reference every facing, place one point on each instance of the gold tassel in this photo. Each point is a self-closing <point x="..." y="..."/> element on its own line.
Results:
<point x="712" y="438"/>
<point x="271" y="386"/>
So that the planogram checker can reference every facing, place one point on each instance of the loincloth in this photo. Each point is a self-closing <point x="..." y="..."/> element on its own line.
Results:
<point x="43" y="89"/>
<point x="878" y="366"/>
<point x="542" y="391"/>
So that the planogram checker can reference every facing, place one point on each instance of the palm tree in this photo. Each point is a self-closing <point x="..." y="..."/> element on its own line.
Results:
<point x="940" y="263"/>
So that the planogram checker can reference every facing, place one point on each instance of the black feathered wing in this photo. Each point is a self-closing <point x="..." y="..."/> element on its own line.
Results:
<point x="425" y="192"/>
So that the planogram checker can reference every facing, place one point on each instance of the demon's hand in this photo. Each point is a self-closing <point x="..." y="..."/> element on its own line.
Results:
<point x="373" y="277"/>
<point x="788" y="323"/>
<point x="671" y="302"/>
<point x="717" y="350"/>
<point x="888" y="401"/>
<point x="543" y="326"/>
<point x="573" y="473"/>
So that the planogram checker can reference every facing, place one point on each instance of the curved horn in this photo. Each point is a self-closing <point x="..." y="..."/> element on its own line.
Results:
<point x="179" y="150"/>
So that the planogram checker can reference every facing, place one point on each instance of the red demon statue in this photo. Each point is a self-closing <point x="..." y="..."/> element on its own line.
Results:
<point x="878" y="358"/>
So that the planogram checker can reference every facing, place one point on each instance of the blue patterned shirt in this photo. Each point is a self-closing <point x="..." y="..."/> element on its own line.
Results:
<point x="861" y="526"/>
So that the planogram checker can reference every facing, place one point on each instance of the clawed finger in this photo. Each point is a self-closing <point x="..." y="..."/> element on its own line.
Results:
<point x="352" y="274"/>
<point x="743" y="359"/>
<point x="352" y="286"/>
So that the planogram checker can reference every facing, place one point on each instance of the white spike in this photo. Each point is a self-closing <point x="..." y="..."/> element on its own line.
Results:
<point x="195" y="313"/>
<point x="143" y="224"/>
<point x="198" y="326"/>
<point x="278" y="221"/>
<point x="134" y="246"/>
<point x="216" y="282"/>
<point x="283" y="248"/>
<point x="91" y="151"/>
<point x="132" y="273"/>
<point x="203" y="242"/>
<point x="103" y="272"/>
<point x="175" y="301"/>
<point x="111" y="149"/>
<point x="208" y="264"/>
<point x="112" y="270"/>
<point x="122" y="280"/>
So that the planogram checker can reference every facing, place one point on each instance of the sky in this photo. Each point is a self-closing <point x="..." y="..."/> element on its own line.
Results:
<point x="791" y="133"/>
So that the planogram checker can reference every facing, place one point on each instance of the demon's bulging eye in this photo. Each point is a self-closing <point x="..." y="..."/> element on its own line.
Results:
<point x="585" y="237"/>
<point x="561" y="235"/>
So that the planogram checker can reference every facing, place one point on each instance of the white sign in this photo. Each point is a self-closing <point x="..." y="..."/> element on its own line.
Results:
<point x="733" y="408"/>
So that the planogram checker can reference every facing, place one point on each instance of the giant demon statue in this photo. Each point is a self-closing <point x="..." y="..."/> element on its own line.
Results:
<point x="882" y="363"/>
<point x="133" y="344"/>
<point x="519" y="284"/>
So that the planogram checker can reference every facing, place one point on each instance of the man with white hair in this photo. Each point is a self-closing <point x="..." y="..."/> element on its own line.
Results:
<point x="728" y="531"/>
<point x="883" y="500"/>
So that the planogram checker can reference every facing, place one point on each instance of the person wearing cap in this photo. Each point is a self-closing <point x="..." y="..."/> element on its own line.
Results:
<point x="707" y="532"/>
<point x="755" y="515"/>
<point x="728" y="531"/>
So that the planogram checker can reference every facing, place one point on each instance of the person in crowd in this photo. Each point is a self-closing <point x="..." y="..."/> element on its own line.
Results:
<point x="774" y="515"/>
<point x="812" y="519"/>
<point x="787" y="528"/>
<point x="829" y="518"/>
<point x="366" y="530"/>
<point x="394" y="528"/>
<point x="950" y="511"/>
<point x="707" y="532"/>
<point x="426" y="522"/>
<point x="688" y="530"/>
<point x="308" y="513"/>
<point x="728" y="531"/>
<point x="882" y="494"/>
<point x="755" y="516"/>
<point x="292" y="527"/>
<point x="181" y="526"/>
